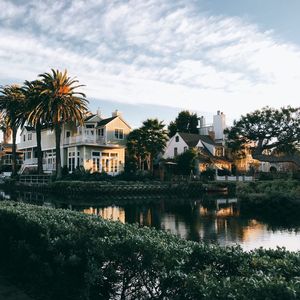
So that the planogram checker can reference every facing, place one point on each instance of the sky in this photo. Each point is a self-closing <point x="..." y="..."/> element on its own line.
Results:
<point x="153" y="58"/>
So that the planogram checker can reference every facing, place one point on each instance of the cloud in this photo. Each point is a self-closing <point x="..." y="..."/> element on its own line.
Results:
<point x="150" y="51"/>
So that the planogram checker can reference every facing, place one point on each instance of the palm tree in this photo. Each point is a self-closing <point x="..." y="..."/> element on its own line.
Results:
<point x="5" y="129"/>
<point x="32" y="91"/>
<point x="12" y="108"/>
<point x="60" y="103"/>
<point x="155" y="139"/>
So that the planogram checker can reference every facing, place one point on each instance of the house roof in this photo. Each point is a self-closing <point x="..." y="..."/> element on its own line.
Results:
<point x="106" y="121"/>
<point x="29" y="128"/>
<point x="89" y="117"/>
<point x="192" y="139"/>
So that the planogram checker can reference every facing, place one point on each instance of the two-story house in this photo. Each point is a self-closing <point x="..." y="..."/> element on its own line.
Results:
<point x="98" y="145"/>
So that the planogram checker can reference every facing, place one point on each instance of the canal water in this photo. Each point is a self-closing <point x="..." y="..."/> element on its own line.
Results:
<point x="211" y="218"/>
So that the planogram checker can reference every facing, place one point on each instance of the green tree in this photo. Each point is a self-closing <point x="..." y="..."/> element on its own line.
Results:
<point x="12" y="107"/>
<point x="185" y="122"/>
<point x="136" y="147"/>
<point x="33" y="95"/>
<point x="60" y="103"/>
<point x="186" y="162"/>
<point x="155" y="139"/>
<point x="145" y="143"/>
<point x="268" y="131"/>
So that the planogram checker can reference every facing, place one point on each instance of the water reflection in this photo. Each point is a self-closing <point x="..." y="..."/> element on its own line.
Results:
<point x="211" y="218"/>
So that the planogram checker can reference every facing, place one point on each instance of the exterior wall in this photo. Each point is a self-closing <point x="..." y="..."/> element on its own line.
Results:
<point x="88" y="162"/>
<point x="219" y="125"/>
<point x="27" y="143"/>
<point x="211" y="148"/>
<point x="117" y="123"/>
<point x="180" y="145"/>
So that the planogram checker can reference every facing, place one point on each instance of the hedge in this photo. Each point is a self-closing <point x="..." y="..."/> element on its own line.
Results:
<point x="62" y="254"/>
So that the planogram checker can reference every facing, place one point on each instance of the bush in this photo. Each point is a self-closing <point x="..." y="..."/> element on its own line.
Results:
<point x="68" y="255"/>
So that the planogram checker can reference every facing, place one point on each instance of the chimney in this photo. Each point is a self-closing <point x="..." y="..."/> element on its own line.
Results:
<point x="202" y="121"/>
<point x="219" y="124"/>
<point x="212" y="135"/>
<point x="115" y="113"/>
<point x="99" y="112"/>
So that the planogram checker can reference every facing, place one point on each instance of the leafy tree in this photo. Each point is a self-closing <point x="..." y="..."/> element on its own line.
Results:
<point x="145" y="143"/>
<point x="268" y="130"/>
<point x="136" y="147"/>
<point x="60" y="103"/>
<point x="186" y="162"/>
<point x="32" y="91"/>
<point x="12" y="108"/>
<point x="185" y="122"/>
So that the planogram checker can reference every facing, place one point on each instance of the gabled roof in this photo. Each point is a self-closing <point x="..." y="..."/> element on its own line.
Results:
<point x="208" y="140"/>
<point x="191" y="139"/>
<point x="89" y="117"/>
<point x="29" y="128"/>
<point x="106" y="121"/>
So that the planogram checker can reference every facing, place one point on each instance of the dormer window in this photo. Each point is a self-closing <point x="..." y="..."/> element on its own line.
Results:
<point x="177" y="139"/>
<point x="101" y="132"/>
<point x="119" y="134"/>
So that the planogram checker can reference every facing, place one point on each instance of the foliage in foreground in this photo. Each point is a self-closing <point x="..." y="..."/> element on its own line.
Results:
<point x="69" y="255"/>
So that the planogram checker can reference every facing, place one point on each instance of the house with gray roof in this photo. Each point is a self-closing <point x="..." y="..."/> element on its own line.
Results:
<point x="97" y="145"/>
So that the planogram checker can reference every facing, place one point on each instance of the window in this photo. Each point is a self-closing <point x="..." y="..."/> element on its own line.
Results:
<point x="24" y="138"/>
<point x="28" y="155"/>
<point x="119" y="134"/>
<point x="185" y="148"/>
<point x="175" y="151"/>
<point x="71" y="161"/>
<point x="177" y="139"/>
<point x="219" y="152"/>
<point x="101" y="132"/>
<point x="90" y="126"/>
<point x="95" y="153"/>
<point x="68" y="134"/>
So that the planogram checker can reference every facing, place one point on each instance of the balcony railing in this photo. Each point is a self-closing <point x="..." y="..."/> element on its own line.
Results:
<point x="80" y="139"/>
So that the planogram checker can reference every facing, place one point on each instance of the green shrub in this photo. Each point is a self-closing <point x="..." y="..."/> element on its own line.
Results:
<point x="62" y="254"/>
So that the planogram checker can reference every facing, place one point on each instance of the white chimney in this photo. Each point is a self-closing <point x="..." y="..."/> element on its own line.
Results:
<point x="99" y="112"/>
<point x="202" y="121"/>
<point x="219" y="124"/>
<point x="115" y="113"/>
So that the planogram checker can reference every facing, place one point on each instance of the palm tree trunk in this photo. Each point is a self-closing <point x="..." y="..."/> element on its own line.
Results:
<point x="39" y="148"/>
<point x="14" y="152"/>
<point x="57" y="151"/>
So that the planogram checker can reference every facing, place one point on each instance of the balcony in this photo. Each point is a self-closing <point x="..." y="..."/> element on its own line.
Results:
<point x="80" y="139"/>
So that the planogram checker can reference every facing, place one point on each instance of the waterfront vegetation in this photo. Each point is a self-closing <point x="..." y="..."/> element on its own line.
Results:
<point x="59" y="254"/>
<point x="265" y="193"/>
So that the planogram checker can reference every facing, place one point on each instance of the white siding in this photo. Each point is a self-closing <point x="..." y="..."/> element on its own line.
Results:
<point x="169" y="152"/>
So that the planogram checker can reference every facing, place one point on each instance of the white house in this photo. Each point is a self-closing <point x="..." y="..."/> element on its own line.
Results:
<point x="98" y="145"/>
<point x="210" y="153"/>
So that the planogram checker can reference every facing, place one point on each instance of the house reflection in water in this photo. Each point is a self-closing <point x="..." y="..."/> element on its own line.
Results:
<point x="113" y="213"/>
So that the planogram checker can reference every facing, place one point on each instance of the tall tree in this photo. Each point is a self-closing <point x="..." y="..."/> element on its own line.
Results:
<point x="145" y="143"/>
<point x="136" y="147"/>
<point x="268" y="130"/>
<point x="4" y="127"/>
<point x="60" y="103"/>
<point x="33" y="95"/>
<point x="155" y="138"/>
<point x="12" y="108"/>
<point x="185" y="122"/>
